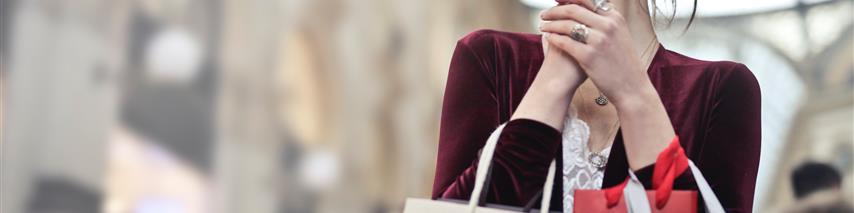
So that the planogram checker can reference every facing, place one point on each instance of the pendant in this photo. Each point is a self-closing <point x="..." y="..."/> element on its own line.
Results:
<point x="597" y="160"/>
<point x="601" y="100"/>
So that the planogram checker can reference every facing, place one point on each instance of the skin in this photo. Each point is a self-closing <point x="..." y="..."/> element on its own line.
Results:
<point x="611" y="60"/>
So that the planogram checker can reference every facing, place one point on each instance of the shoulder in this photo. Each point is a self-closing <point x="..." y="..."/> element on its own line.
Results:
<point x="504" y="63"/>
<point x="487" y="39"/>
<point x="487" y="44"/>
<point x="512" y="55"/>
<point x="726" y="76"/>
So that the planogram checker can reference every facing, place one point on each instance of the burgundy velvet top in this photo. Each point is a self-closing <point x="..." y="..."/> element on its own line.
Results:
<point x="713" y="106"/>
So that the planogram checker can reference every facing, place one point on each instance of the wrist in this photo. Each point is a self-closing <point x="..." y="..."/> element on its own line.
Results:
<point x="638" y="101"/>
<point x="552" y="82"/>
<point x="559" y="77"/>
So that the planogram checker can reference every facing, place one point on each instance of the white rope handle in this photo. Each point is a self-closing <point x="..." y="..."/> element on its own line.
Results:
<point x="484" y="163"/>
<point x="634" y="189"/>
<point x="547" y="189"/>
<point x="637" y="202"/>
<point x="483" y="166"/>
<point x="712" y="202"/>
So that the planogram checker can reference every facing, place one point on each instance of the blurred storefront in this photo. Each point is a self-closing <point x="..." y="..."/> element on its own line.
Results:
<point x="327" y="106"/>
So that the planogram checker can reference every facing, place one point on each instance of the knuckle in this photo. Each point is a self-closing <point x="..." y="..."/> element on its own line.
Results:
<point x="596" y="41"/>
<point x="610" y="26"/>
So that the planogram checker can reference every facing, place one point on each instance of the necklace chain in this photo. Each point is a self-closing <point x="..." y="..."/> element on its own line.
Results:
<point x="597" y="158"/>
<point x="611" y="131"/>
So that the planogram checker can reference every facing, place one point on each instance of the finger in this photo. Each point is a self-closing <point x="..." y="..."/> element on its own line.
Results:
<point x="576" y="49"/>
<point x="574" y="12"/>
<point x="593" y="5"/>
<point x="564" y="27"/>
<point x="545" y="42"/>
<point x="589" y="4"/>
<point x="612" y="14"/>
<point x="543" y="39"/>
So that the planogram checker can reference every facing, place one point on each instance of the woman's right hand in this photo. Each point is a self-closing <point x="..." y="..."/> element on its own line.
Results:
<point x="551" y="92"/>
<point x="566" y="67"/>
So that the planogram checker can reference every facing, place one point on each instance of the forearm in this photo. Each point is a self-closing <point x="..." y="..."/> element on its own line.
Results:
<point x="549" y="96"/>
<point x="520" y="163"/>
<point x="645" y="126"/>
<point x="470" y="109"/>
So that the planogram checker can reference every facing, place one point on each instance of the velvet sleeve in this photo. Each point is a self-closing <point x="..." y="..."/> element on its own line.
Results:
<point x="729" y="156"/>
<point x="469" y="115"/>
<point x="729" y="152"/>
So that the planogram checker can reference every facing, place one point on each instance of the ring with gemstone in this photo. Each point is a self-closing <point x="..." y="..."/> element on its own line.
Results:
<point x="603" y="5"/>
<point x="579" y="33"/>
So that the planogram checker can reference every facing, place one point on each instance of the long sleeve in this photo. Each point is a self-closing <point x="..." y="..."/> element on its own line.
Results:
<point x="470" y="112"/>
<point x="728" y="153"/>
<point x="731" y="149"/>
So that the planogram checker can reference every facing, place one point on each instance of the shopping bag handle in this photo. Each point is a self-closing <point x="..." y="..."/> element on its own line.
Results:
<point x="485" y="162"/>
<point x="671" y="162"/>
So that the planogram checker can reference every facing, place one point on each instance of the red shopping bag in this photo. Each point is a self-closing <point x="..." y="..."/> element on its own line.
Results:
<point x="630" y="196"/>
<point x="595" y="201"/>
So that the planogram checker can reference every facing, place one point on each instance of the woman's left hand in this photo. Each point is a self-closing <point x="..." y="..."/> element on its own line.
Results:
<point x="609" y="58"/>
<point x="608" y="55"/>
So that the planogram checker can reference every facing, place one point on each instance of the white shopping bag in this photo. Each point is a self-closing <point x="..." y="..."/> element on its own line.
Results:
<point x="421" y="205"/>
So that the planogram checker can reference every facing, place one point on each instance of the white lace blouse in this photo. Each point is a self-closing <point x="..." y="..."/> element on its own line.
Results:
<point x="578" y="172"/>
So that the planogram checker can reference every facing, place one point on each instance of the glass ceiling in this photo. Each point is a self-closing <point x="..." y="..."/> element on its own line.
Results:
<point x="708" y="8"/>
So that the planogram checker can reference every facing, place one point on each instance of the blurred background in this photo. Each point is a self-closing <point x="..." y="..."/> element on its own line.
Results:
<point x="264" y="106"/>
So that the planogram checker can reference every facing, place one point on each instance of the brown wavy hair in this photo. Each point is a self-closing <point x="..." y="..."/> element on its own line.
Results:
<point x="672" y="16"/>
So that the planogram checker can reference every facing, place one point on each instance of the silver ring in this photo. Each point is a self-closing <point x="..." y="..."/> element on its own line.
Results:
<point x="579" y="33"/>
<point x="603" y="5"/>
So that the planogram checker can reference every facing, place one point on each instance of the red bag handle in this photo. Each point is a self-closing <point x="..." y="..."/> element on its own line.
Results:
<point x="671" y="162"/>
<point x="613" y="194"/>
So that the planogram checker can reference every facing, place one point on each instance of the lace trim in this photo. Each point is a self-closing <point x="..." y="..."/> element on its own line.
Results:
<point x="578" y="172"/>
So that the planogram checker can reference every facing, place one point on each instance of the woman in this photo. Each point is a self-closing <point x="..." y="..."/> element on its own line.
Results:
<point x="601" y="95"/>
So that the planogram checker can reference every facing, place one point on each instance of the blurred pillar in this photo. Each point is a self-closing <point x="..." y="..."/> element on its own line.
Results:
<point x="383" y="65"/>
<point x="60" y="105"/>
<point x="249" y="141"/>
<point x="423" y="37"/>
<point x="375" y="70"/>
